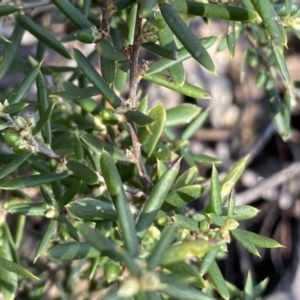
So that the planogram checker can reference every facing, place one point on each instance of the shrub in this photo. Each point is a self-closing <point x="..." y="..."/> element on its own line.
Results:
<point x="106" y="171"/>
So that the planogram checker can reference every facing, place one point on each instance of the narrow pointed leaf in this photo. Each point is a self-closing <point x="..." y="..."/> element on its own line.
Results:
<point x="27" y="23"/>
<point x="110" y="52"/>
<point x="259" y="240"/>
<point x="20" y="91"/>
<point x="46" y="238"/>
<point x="33" y="180"/>
<point x="103" y="244"/>
<point x="76" y="93"/>
<point x="233" y="176"/>
<point x="183" y="54"/>
<point x="223" y="12"/>
<point x="92" y="209"/>
<point x="192" y="128"/>
<point x="186" y="37"/>
<point x="230" y="38"/>
<point x="166" y="39"/>
<point x="187" y="250"/>
<point x="73" y="14"/>
<point x="70" y="193"/>
<point x="10" y="50"/>
<point x="271" y="21"/>
<point x="182" y="196"/>
<point x="15" y="268"/>
<point x="8" y="9"/>
<point x="72" y="251"/>
<point x="185" y="292"/>
<point x="160" y="248"/>
<point x="182" y="114"/>
<point x="28" y="209"/>
<point x="94" y="77"/>
<point x="82" y="172"/>
<point x="14" y="164"/>
<point x="239" y="236"/>
<point x="160" y="50"/>
<point x="15" y="107"/>
<point x="115" y="187"/>
<point x="218" y="280"/>
<point x="99" y="145"/>
<point x="150" y="134"/>
<point x="186" y="178"/>
<point x="242" y="212"/>
<point x="207" y="260"/>
<point x="185" y="222"/>
<point x="139" y="118"/>
<point x="215" y="192"/>
<point x="187" y="89"/>
<point x="156" y="199"/>
<point x="43" y="120"/>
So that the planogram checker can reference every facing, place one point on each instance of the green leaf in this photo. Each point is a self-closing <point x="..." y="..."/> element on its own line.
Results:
<point x="15" y="268"/>
<point x="20" y="91"/>
<point x="44" y="119"/>
<point x="230" y="38"/>
<point x="233" y="176"/>
<point x="108" y="51"/>
<point x="187" y="89"/>
<point x="219" y="11"/>
<point x="215" y="192"/>
<point x="8" y="280"/>
<point x="115" y="187"/>
<point x="72" y="251"/>
<point x="186" y="222"/>
<point x="92" y="209"/>
<point x="99" y="145"/>
<point x="248" y="289"/>
<point x="205" y="159"/>
<point x="15" y="107"/>
<point x="73" y="14"/>
<point x="182" y="196"/>
<point x="67" y="226"/>
<point x="156" y="199"/>
<point x="82" y="172"/>
<point x="8" y="9"/>
<point x="147" y="8"/>
<point x="187" y="250"/>
<point x="103" y="244"/>
<point x="46" y="238"/>
<point x="70" y="193"/>
<point x="94" y="77"/>
<point x="14" y="164"/>
<point x="139" y="118"/>
<point x="239" y="236"/>
<point x="186" y="37"/>
<point x="27" y="208"/>
<point x="242" y="212"/>
<point x="218" y="280"/>
<point x="186" y="178"/>
<point x="207" y="260"/>
<point x="162" y="245"/>
<point x="185" y="292"/>
<point x="260" y="287"/>
<point x="259" y="240"/>
<point x="197" y="123"/>
<point x="150" y="134"/>
<point x="33" y="180"/>
<point x="271" y="21"/>
<point x="281" y="62"/>
<point x="166" y="39"/>
<point x="183" y="54"/>
<point x="27" y="23"/>
<point x="76" y="93"/>
<point x="10" y="50"/>
<point x="160" y="50"/>
<point x="161" y="168"/>
<point x="182" y="114"/>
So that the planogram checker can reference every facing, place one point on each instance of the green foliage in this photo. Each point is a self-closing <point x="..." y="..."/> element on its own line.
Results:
<point x="108" y="172"/>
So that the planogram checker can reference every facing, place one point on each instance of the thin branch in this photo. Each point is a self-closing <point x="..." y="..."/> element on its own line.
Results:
<point x="134" y="79"/>
<point x="105" y="15"/>
<point x="279" y="178"/>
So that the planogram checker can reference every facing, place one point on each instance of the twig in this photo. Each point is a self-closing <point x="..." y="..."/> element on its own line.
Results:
<point x="279" y="178"/>
<point x="105" y="15"/>
<point x="134" y="80"/>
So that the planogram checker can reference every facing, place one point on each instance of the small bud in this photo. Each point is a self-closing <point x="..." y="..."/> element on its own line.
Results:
<point x="88" y="35"/>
